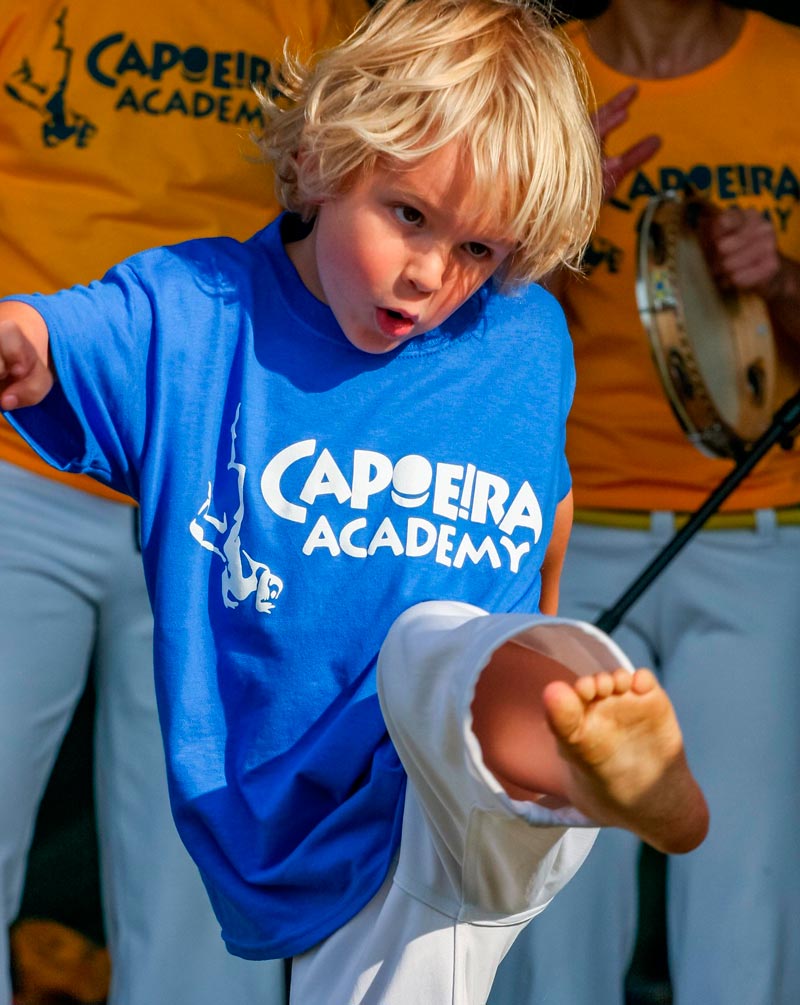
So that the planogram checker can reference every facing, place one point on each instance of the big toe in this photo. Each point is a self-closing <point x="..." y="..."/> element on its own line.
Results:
<point x="564" y="709"/>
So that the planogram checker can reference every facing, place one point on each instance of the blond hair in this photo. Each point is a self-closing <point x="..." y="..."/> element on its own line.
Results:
<point x="416" y="74"/>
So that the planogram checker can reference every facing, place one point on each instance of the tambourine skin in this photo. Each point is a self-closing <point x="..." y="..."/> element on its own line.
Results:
<point x="714" y="352"/>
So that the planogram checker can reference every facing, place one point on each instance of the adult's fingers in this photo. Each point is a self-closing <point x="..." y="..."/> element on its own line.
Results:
<point x="615" y="168"/>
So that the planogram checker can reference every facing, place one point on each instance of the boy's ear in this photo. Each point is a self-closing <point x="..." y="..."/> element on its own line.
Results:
<point x="306" y="164"/>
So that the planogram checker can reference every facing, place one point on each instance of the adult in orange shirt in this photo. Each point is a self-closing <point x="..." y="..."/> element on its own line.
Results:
<point x="701" y="92"/>
<point x="124" y="126"/>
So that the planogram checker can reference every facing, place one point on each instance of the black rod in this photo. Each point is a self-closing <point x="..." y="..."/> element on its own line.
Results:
<point x="781" y="429"/>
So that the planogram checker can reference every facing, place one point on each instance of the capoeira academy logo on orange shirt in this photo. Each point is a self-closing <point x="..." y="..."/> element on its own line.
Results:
<point x="777" y="189"/>
<point x="161" y="78"/>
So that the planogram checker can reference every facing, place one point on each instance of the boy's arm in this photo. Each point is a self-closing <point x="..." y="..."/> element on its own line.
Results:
<point x="554" y="557"/>
<point x="26" y="370"/>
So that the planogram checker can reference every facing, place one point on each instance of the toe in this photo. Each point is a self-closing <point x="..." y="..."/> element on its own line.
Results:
<point x="564" y="708"/>
<point x="643" y="681"/>
<point x="605" y="684"/>
<point x="622" y="681"/>
<point x="586" y="687"/>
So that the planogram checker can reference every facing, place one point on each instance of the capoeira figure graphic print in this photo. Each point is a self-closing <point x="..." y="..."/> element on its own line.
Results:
<point x="242" y="575"/>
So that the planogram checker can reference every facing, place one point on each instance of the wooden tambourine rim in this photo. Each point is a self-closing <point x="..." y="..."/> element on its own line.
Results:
<point x="662" y="313"/>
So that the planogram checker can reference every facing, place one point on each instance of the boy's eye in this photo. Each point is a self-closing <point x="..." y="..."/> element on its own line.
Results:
<point x="407" y="214"/>
<point x="477" y="250"/>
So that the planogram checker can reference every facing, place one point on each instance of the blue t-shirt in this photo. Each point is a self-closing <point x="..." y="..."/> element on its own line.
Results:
<point x="296" y="496"/>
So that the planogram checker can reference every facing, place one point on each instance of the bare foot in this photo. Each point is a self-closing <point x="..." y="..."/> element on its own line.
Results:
<point x="626" y="765"/>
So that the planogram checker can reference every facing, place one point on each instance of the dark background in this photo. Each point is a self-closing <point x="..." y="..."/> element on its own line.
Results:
<point x="781" y="9"/>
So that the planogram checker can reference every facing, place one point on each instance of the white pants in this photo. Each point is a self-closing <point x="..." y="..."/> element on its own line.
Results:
<point x="72" y="592"/>
<point x="722" y="627"/>
<point x="475" y="865"/>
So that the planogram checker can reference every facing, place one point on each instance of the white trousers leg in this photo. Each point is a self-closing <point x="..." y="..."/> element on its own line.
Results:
<point x="475" y="865"/>
<point x="73" y="594"/>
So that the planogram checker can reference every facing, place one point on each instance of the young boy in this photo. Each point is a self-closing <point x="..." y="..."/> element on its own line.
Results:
<point x="330" y="428"/>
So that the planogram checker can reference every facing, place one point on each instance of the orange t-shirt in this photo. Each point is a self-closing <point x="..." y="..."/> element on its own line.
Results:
<point x="128" y="126"/>
<point x="733" y="130"/>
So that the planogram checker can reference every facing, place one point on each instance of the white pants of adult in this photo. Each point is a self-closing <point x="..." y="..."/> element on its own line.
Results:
<point x="474" y="865"/>
<point x="72" y="593"/>
<point x="721" y="625"/>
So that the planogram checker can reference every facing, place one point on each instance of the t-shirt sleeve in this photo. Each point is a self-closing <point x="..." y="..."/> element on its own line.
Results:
<point x="94" y="421"/>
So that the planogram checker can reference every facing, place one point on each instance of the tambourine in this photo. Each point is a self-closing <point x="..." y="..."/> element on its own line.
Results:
<point x="715" y="351"/>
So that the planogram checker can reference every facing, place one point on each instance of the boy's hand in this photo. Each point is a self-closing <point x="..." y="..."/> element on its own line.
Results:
<point x="605" y="120"/>
<point x="25" y="378"/>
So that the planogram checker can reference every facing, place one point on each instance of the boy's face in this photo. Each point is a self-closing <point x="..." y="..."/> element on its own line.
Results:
<point x="402" y="249"/>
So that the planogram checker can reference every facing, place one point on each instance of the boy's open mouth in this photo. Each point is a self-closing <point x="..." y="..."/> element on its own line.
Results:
<point x="394" y="323"/>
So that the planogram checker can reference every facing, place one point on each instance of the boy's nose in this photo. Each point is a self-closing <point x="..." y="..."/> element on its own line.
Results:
<point x="426" y="269"/>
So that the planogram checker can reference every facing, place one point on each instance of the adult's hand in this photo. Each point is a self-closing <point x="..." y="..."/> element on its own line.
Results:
<point x="744" y="255"/>
<point x="744" y="251"/>
<point x="605" y="120"/>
